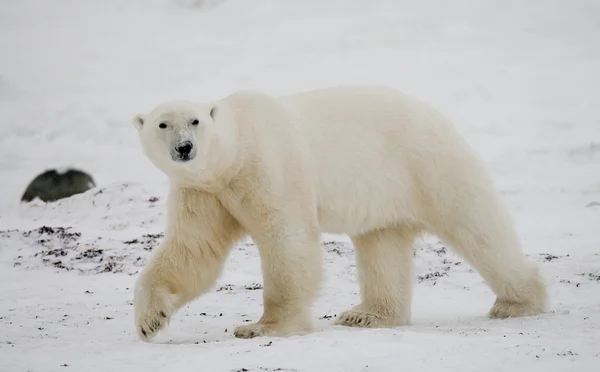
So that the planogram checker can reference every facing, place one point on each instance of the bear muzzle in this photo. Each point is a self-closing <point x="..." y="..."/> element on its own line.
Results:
<point x="183" y="151"/>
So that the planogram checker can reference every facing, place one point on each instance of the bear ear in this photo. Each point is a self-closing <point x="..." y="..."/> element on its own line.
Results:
<point x="138" y="121"/>
<point x="213" y="112"/>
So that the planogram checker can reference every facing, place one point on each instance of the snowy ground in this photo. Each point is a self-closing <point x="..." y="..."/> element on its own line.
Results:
<point x="520" y="79"/>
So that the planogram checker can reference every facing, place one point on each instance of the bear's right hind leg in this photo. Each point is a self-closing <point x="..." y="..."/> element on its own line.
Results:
<point x="384" y="259"/>
<point x="491" y="246"/>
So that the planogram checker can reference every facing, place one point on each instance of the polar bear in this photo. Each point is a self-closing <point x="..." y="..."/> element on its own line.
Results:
<point x="366" y="161"/>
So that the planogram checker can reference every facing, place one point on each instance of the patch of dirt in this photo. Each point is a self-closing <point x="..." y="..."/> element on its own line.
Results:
<point x="327" y="316"/>
<point x="247" y="287"/>
<point x="63" y="248"/>
<point x="567" y="353"/>
<point x="89" y="253"/>
<point x="547" y="257"/>
<point x="591" y="276"/>
<point x="338" y="248"/>
<point x="146" y="241"/>
<point x="438" y="260"/>
<point x="567" y="281"/>
<point x="432" y="275"/>
<point x="226" y="287"/>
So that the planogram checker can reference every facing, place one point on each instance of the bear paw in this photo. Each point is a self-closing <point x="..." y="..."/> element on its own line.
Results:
<point x="151" y="322"/>
<point x="356" y="318"/>
<point x="294" y="326"/>
<point x="367" y="319"/>
<point x="507" y="309"/>
<point x="153" y="310"/>
<point x="250" y="330"/>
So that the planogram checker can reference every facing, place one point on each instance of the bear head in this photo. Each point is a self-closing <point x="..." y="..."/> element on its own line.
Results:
<point x="187" y="140"/>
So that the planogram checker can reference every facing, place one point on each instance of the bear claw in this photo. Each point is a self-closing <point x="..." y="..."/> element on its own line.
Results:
<point x="151" y="324"/>
<point x="249" y="331"/>
<point x="361" y="319"/>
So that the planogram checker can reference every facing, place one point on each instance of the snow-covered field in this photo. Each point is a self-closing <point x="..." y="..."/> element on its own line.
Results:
<point x="521" y="80"/>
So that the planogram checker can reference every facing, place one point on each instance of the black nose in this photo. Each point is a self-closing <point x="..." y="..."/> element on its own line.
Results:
<point x="184" y="148"/>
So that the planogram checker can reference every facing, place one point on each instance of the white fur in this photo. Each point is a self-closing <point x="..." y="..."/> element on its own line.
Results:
<point x="365" y="161"/>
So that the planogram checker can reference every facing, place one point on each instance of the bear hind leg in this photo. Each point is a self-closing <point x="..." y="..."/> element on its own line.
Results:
<point x="384" y="260"/>
<point x="491" y="247"/>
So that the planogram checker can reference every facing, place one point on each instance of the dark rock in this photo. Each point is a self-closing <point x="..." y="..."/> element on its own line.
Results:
<point x="53" y="185"/>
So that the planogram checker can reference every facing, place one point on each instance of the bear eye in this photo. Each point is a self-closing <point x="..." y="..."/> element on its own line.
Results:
<point x="195" y="122"/>
<point x="162" y="125"/>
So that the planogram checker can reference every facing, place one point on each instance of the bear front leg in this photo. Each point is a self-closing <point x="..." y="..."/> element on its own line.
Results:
<point x="291" y="269"/>
<point x="154" y="303"/>
<point x="187" y="263"/>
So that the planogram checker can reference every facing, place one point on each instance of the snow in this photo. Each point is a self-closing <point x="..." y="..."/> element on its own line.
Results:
<point x="519" y="78"/>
